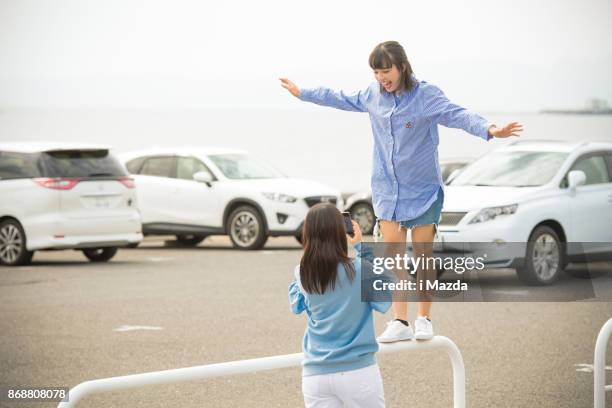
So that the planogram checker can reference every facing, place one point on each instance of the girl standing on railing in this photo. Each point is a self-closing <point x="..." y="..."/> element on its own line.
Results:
<point x="407" y="186"/>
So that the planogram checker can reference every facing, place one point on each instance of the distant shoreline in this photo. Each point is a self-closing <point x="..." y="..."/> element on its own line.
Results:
<point x="577" y="111"/>
<point x="96" y="110"/>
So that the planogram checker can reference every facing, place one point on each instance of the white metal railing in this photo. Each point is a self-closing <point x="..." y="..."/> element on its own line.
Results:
<point x="261" y="364"/>
<point x="599" y="366"/>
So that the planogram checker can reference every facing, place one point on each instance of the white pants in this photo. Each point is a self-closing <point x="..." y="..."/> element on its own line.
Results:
<point x="355" y="388"/>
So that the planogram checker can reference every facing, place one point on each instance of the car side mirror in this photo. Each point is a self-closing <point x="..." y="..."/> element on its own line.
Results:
<point x="203" y="177"/>
<point x="575" y="178"/>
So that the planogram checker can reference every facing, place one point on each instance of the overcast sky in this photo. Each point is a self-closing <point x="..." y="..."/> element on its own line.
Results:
<point x="489" y="55"/>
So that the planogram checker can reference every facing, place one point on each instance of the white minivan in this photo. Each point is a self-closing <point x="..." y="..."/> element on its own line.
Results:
<point x="64" y="196"/>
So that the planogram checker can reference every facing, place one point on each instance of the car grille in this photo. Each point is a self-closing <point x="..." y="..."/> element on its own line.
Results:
<point x="320" y="199"/>
<point x="451" y="218"/>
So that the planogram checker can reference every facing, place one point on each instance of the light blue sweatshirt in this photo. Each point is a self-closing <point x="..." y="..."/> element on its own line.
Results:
<point x="340" y="332"/>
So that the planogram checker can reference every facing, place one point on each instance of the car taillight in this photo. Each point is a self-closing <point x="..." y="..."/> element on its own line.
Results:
<point x="57" y="183"/>
<point x="127" y="181"/>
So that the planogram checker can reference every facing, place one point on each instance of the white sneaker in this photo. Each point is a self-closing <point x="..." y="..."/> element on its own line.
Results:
<point x="423" y="329"/>
<point x="395" y="331"/>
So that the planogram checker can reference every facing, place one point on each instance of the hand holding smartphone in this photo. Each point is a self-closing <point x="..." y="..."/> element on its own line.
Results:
<point x="348" y="224"/>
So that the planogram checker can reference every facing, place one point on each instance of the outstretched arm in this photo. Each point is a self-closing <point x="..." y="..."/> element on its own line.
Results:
<point x="355" y="102"/>
<point x="446" y="113"/>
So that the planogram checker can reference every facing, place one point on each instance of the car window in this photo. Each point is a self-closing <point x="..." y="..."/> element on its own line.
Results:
<point x="134" y="165"/>
<point x="594" y="168"/>
<point x="448" y="168"/>
<point x="159" y="166"/>
<point x="609" y="163"/>
<point x="188" y="166"/>
<point x="17" y="165"/>
<point x="81" y="163"/>
<point x="511" y="169"/>
<point x="243" y="167"/>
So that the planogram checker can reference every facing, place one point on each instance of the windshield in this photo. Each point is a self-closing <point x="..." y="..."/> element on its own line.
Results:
<point x="243" y="167"/>
<point x="511" y="169"/>
<point x="81" y="163"/>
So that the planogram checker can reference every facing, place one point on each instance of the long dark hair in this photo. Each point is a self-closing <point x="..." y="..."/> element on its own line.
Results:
<point x="324" y="238"/>
<point x="391" y="53"/>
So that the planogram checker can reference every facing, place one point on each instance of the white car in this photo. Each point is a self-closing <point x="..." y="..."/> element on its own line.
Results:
<point x="542" y="203"/>
<point x="194" y="192"/>
<point x="64" y="196"/>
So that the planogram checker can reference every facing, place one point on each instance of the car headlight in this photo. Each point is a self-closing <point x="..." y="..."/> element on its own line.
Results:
<point x="283" y="198"/>
<point x="488" y="214"/>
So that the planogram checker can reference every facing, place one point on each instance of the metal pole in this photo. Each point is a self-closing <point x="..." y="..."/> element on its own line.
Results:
<point x="180" y="375"/>
<point x="599" y="366"/>
<point x="260" y="364"/>
<point x="453" y="353"/>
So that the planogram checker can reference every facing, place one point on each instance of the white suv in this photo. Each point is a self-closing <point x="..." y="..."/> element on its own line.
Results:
<point x="64" y="196"/>
<point x="554" y="197"/>
<point x="193" y="192"/>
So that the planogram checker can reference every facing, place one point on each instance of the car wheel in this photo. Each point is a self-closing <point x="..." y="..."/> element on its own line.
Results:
<point x="100" y="254"/>
<point x="363" y="213"/>
<point x="246" y="228"/>
<point x="13" y="249"/>
<point x="133" y="245"/>
<point x="544" y="258"/>
<point x="189" y="239"/>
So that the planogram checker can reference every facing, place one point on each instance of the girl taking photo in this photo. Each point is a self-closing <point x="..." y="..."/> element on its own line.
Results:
<point x="406" y="182"/>
<point x="339" y="345"/>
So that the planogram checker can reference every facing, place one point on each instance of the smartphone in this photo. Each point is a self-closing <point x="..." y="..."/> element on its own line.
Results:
<point x="348" y="224"/>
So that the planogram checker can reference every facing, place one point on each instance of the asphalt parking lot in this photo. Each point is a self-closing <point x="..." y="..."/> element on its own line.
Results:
<point x="64" y="320"/>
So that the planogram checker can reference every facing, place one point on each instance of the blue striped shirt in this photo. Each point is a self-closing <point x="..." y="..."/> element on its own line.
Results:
<point x="406" y="173"/>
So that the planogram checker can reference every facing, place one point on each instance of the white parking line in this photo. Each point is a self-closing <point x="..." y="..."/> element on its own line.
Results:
<point x="131" y="328"/>
<point x="588" y="368"/>
<point x="160" y="259"/>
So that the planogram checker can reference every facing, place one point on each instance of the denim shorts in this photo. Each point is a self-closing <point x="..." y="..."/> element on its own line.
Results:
<point x="431" y="216"/>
